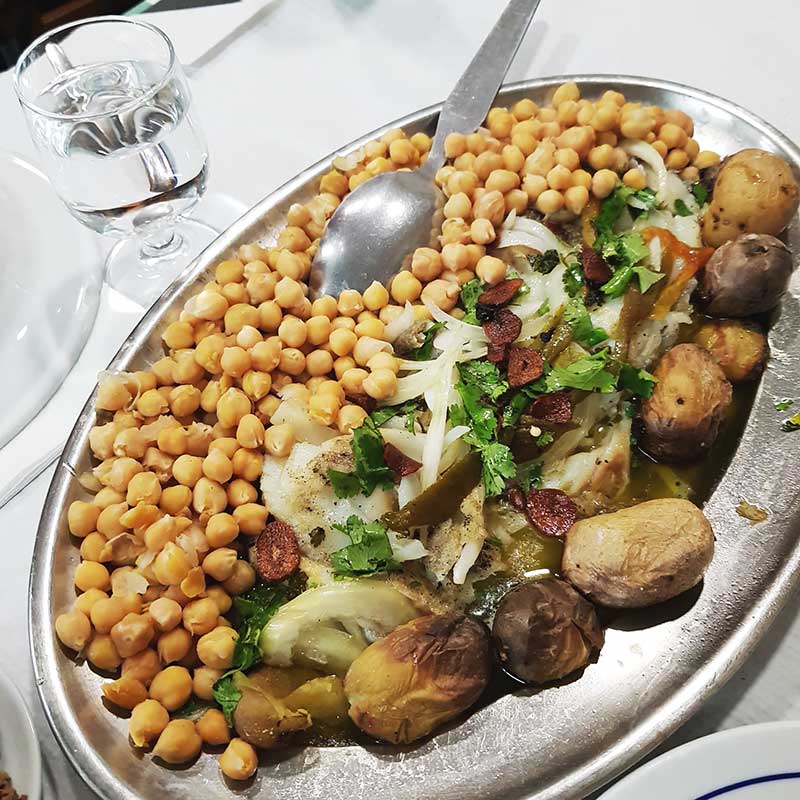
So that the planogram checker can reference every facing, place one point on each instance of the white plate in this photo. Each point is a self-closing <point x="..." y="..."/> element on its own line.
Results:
<point x="51" y="272"/>
<point x="756" y="762"/>
<point x="19" y="747"/>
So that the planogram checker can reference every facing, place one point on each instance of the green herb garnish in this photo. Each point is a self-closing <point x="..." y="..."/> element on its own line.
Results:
<point x="545" y="439"/>
<point x="546" y="262"/>
<point x="385" y="413"/>
<point x="498" y="466"/>
<point x="700" y="193"/>
<point x="370" y="471"/>
<point x="588" y="373"/>
<point x="529" y="476"/>
<point x="783" y="404"/>
<point x="583" y="331"/>
<point x="573" y="278"/>
<point x="681" y="209"/>
<point x="637" y="381"/>
<point x="425" y="350"/>
<point x="647" y="277"/>
<point x="254" y="608"/>
<point x="470" y="292"/>
<point x="227" y="696"/>
<point x="368" y="553"/>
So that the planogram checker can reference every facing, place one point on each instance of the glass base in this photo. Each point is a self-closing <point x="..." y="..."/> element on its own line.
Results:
<point x="143" y="269"/>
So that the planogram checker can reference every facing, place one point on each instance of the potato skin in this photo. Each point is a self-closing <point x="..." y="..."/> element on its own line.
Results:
<point x="682" y="417"/>
<point x="745" y="276"/>
<point x="754" y="192"/>
<point x="738" y="347"/>
<point x="639" y="556"/>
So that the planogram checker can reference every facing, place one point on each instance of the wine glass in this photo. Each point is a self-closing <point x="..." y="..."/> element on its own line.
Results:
<point x="109" y="109"/>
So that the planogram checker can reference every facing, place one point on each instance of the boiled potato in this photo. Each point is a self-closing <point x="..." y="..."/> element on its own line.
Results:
<point x="739" y="348"/>
<point x="682" y="417"/>
<point x="745" y="276"/>
<point x="754" y="192"/>
<point x="323" y="698"/>
<point x="639" y="556"/>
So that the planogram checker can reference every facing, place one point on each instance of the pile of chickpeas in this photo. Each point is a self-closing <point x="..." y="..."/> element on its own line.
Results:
<point x="180" y="447"/>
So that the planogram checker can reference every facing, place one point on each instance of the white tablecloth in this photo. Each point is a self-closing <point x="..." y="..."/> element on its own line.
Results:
<point x="306" y="76"/>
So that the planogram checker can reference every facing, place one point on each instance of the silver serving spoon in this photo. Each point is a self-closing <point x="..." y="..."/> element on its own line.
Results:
<point x="379" y="225"/>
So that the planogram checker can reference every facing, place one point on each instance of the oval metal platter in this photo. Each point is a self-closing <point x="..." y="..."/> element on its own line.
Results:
<point x="560" y="742"/>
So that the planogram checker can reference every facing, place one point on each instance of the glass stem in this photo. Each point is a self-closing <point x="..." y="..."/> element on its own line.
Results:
<point x="159" y="244"/>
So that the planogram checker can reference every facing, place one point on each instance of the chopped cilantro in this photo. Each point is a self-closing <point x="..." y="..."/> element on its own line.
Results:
<point x="543" y="309"/>
<point x="791" y="424"/>
<point x="573" y="278"/>
<point x="485" y="375"/>
<point x="578" y="319"/>
<point x="588" y="373"/>
<point x="521" y="400"/>
<point x="612" y="207"/>
<point x="647" y="277"/>
<point x="368" y="553"/>
<point x="544" y="439"/>
<point x="255" y="608"/>
<point x="546" y="262"/>
<point x="385" y="413"/>
<point x="425" y="350"/>
<point x="700" y="193"/>
<point x="681" y="209"/>
<point x="498" y="465"/>
<point x="529" y="476"/>
<point x="371" y="471"/>
<point x="227" y="696"/>
<point x="783" y="404"/>
<point x="470" y="292"/>
<point x="629" y="409"/>
<point x="637" y="381"/>
<point x="411" y="419"/>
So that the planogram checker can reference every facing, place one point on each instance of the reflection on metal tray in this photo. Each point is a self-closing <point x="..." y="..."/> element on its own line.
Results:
<point x="558" y="743"/>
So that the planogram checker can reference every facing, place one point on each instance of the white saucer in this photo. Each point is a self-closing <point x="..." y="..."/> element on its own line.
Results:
<point x="756" y="762"/>
<point x="19" y="747"/>
<point x="51" y="273"/>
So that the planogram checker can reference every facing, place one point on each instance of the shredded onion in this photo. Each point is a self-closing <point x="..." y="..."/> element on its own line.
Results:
<point x="530" y="233"/>
<point x="402" y="323"/>
<point x="650" y="156"/>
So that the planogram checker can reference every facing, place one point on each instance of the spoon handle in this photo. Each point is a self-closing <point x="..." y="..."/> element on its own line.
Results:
<point x="466" y="107"/>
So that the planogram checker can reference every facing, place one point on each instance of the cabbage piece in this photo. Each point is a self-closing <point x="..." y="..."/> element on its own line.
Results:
<point x="361" y="610"/>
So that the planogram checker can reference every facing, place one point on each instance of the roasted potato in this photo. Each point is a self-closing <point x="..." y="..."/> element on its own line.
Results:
<point x="738" y="347"/>
<point x="544" y="630"/>
<point x="682" y="417"/>
<point x="265" y="721"/>
<point x="754" y="192"/>
<point x="639" y="556"/>
<point x="745" y="276"/>
<point x="418" y="677"/>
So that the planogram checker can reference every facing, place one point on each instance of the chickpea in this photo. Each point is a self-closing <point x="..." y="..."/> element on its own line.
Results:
<point x="490" y="206"/>
<point x="576" y="198"/>
<point x="381" y="384"/>
<point x="215" y="649"/>
<point x="603" y="183"/>
<point x="455" y="144"/>
<point x="676" y="160"/>
<point x="240" y="315"/>
<point x="486" y="163"/>
<point x="456" y="230"/>
<point x="125" y="692"/>
<point x="93" y="546"/>
<point x="459" y="205"/>
<point x="502" y="180"/>
<point x="441" y="293"/>
<point x="102" y="654"/>
<point x="148" y="719"/>
<point x="175" y="499"/>
<point x="200" y="616"/>
<point x="104" y="498"/>
<point x="122" y="471"/>
<point x="194" y="584"/>
<point x="203" y="681"/>
<point x="342" y="341"/>
<point x="517" y="200"/>
<point x="533" y="186"/>
<point x="455" y="257"/>
<point x="220" y="597"/>
<point x="323" y="408"/>
<point x="567" y="91"/>
<point x="705" y="159"/>
<point x="353" y="379"/>
<point x="426" y="264"/>
<point x="171" y="565"/>
<point x="269" y="316"/>
<point x="217" y="466"/>
<point x="74" y="629"/>
<point x="232" y="406"/>
<point x="550" y="201"/>
<point x="187" y="470"/>
<point x="242" y="579"/>
<point x="132" y="634"/>
<point x="219" y="563"/>
<point x="637" y="123"/>
<point x="82" y="518"/>
<point x="173" y="686"/>
<point x="106" y="613"/>
<point x="491" y="270"/>
<point x="248" y="464"/>
<point x="130" y="443"/>
<point x="112" y="394"/>
<point x="240" y="492"/>
<point x="101" y="439"/>
<point x="261" y="289"/>
<point x="524" y="109"/>
<point x="660" y="148"/>
<point x="292" y="331"/>
<point x="319" y="363"/>
<point x="165" y="613"/>
<point x="84" y="602"/>
<point x="178" y="743"/>
<point x="559" y="177"/>
<point x="239" y="761"/>
<point x="343" y="323"/>
<point x="151" y="404"/>
<point x="143" y="666"/>
<point x="91" y="575"/>
<point x="690" y="174"/>
<point x="208" y="497"/>
<point x="350" y="417"/>
<point x="634" y="178"/>
<point x="288" y="293"/>
<point x="208" y="353"/>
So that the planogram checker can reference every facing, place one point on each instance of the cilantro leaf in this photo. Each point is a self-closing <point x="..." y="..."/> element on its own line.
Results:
<point x="791" y="424"/>
<point x="783" y="404"/>
<point x="612" y="207"/>
<point x="637" y="381"/>
<point x="371" y="471"/>
<point x="544" y="308"/>
<point x="255" y="608"/>
<point x="546" y="262"/>
<point x="545" y="439"/>
<point x="227" y="696"/>
<point x="470" y="292"/>
<point x="573" y="278"/>
<point x="647" y="277"/>
<point x="425" y="350"/>
<point x="368" y="553"/>
<point x="588" y="373"/>
<point x="681" y="209"/>
<point x="700" y="193"/>
<point x="522" y="399"/>
<point x="529" y="475"/>
<point x="485" y="375"/>
<point x="498" y="465"/>
<point x="385" y="413"/>
<point x="578" y="319"/>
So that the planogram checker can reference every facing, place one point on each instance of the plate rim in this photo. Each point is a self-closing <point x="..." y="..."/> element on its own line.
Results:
<point x="592" y="774"/>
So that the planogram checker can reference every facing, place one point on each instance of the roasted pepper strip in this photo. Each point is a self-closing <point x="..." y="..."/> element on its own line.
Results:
<point x="441" y="500"/>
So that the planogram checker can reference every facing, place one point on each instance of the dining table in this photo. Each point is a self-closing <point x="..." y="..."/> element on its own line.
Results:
<point x="280" y="84"/>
